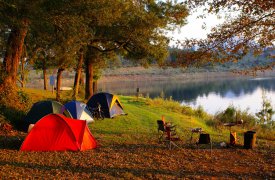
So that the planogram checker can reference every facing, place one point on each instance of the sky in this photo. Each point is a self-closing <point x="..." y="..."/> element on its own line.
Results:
<point x="193" y="28"/>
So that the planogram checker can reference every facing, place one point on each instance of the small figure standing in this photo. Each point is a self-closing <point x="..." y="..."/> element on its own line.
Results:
<point x="52" y="82"/>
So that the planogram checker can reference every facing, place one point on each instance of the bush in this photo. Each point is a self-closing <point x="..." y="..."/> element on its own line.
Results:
<point x="188" y="111"/>
<point x="228" y="115"/>
<point x="199" y="112"/>
<point x="233" y="115"/>
<point x="13" y="105"/>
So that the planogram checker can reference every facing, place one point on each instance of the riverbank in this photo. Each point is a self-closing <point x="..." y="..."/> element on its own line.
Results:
<point x="158" y="74"/>
<point x="139" y="74"/>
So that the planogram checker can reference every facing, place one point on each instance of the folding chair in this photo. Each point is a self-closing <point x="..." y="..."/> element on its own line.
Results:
<point x="167" y="133"/>
<point x="161" y="130"/>
<point x="171" y="137"/>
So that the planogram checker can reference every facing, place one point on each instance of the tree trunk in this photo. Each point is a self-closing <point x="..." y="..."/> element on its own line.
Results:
<point x="78" y="75"/>
<point x="22" y="74"/>
<point x="81" y="82"/>
<point x="89" y="79"/>
<point x="58" y="83"/>
<point x="95" y="86"/>
<point x="14" y="52"/>
<point x="45" y="77"/>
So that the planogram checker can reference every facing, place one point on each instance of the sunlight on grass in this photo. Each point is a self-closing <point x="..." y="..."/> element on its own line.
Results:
<point x="140" y="123"/>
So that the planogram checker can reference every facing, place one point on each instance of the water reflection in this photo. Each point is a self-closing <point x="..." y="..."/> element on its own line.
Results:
<point x="212" y="95"/>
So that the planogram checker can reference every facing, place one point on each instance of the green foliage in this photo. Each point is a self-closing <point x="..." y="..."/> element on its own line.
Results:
<point x="139" y="37"/>
<point x="247" y="27"/>
<point x="24" y="98"/>
<point x="233" y="115"/>
<point x="199" y="112"/>
<point x="228" y="115"/>
<point x="15" y="106"/>
<point x="265" y="114"/>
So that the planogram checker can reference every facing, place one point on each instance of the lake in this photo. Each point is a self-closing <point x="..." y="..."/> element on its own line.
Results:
<point x="213" y="95"/>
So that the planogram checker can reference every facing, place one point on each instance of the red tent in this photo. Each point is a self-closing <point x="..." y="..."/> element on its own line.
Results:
<point x="55" y="132"/>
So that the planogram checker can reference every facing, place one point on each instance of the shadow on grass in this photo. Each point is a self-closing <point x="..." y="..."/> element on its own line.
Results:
<point x="11" y="142"/>
<point x="15" y="117"/>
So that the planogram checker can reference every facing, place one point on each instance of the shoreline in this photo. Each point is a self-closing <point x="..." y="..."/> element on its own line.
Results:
<point x="140" y="74"/>
<point x="186" y="77"/>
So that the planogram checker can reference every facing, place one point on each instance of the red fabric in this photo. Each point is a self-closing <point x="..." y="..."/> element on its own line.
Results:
<point x="89" y="141"/>
<point x="56" y="132"/>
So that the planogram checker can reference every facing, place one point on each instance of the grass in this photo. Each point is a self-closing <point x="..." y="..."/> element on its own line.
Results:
<point x="139" y="125"/>
<point x="130" y="149"/>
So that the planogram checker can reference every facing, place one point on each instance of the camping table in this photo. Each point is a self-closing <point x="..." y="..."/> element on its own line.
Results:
<point x="195" y="130"/>
<point x="232" y="135"/>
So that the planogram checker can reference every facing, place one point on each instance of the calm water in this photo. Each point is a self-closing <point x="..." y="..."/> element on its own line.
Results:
<point x="213" y="96"/>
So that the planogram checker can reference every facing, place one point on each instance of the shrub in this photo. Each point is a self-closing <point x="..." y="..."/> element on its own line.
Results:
<point x="199" y="112"/>
<point x="233" y="115"/>
<point x="188" y="111"/>
<point x="13" y="104"/>
<point x="228" y="115"/>
<point x="265" y="114"/>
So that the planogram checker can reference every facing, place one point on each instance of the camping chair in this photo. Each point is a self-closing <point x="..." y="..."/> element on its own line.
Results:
<point x="171" y="137"/>
<point x="167" y="133"/>
<point x="162" y="129"/>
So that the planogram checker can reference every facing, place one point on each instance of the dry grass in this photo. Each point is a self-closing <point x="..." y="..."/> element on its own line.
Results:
<point x="138" y="161"/>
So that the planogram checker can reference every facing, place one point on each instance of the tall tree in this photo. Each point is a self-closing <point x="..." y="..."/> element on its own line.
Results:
<point x="17" y="17"/>
<point x="249" y="26"/>
<point x="78" y="73"/>
<point x="138" y="32"/>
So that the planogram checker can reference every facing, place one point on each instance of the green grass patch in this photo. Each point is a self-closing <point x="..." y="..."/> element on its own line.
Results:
<point x="140" y="124"/>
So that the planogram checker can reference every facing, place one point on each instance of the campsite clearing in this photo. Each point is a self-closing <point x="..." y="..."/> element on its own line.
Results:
<point x="133" y="161"/>
<point x="129" y="149"/>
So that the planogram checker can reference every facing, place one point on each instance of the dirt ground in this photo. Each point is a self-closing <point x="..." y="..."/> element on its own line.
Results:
<point x="135" y="161"/>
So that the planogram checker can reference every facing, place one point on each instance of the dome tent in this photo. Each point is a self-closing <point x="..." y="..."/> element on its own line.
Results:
<point x="41" y="109"/>
<point x="55" y="132"/>
<point x="78" y="110"/>
<point x="110" y="104"/>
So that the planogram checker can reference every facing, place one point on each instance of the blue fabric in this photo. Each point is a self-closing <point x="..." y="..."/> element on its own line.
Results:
<point x="75" y="108"/>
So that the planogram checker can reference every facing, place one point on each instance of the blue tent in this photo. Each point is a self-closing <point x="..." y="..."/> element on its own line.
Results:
<point x="78" y="110"/>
